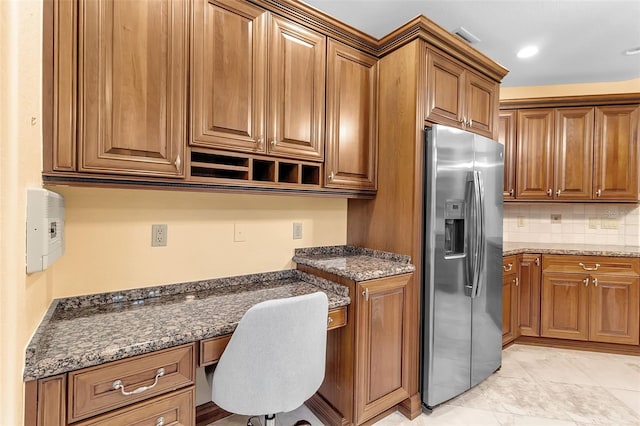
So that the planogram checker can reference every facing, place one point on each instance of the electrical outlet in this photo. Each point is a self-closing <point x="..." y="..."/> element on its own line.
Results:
<point x="609" y="223"/>
<point x="158" y="235"/>
<point x="297" y="230"/>
<point x="556" y="218"/>
<point x="521" y="221"/>
<point x="239" y="233"/>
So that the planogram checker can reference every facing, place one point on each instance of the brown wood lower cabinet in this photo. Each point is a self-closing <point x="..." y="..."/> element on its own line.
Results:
<point x="366" y="370"/>
<point x="529" y="267"/>
<point x="591" y="298"/>
<point x="510" y="301"/>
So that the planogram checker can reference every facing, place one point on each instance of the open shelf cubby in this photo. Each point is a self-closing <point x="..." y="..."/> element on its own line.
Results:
<point x="213" y="166"/>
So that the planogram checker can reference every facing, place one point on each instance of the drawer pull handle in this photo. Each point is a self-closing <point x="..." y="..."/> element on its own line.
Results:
<point x="160" y="421"/>
<point x="508" y="267"/>
<point x="329" y="320"/>
<point x="118" y="385"/>
<point x="595" y="268"/>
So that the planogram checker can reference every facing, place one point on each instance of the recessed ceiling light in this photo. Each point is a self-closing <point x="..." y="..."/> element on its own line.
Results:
<point x="633" y="51"/>
<point x="527" y="52"/>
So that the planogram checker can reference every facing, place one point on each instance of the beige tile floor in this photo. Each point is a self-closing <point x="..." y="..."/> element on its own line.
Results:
<point x="536" y="387"/>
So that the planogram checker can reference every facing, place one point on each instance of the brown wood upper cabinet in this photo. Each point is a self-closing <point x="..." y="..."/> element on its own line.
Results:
<point x="616" y="153"/>
<point x="555" y="153"/>
<point x="258" y="82"/>
<point x="351" y="154"/>
<point x="459" y="97"/>
<point x="132" y="86"/>
<point x="507" y="137"/>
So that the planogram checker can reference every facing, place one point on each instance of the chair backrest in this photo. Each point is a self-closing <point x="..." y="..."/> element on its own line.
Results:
<point x="276" y="357"/>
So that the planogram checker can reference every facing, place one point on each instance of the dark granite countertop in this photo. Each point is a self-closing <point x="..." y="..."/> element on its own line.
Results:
<point x="356" y="263"/>
<point x="510" y="248"/>
<point x="84" y="331"/>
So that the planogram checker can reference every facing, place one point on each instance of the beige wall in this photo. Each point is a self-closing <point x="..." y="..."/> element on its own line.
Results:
<point x="108" y="236"/>
<point x="628" y="86"/>
<point x="23" y="299"/>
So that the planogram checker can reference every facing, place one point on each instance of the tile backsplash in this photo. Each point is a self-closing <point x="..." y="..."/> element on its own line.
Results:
<point x="611" y="224"/>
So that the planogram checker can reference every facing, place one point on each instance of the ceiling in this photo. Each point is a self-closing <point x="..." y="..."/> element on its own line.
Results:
<point x="580" y="41"/>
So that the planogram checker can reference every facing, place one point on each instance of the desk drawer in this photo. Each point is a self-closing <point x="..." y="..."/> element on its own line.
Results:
<point x="91" y="390"/>
<point x="337" y="318"/>
<point x="174" y="409"/>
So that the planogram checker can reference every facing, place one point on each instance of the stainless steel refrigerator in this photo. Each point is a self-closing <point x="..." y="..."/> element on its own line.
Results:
<point x="462" y="285"/>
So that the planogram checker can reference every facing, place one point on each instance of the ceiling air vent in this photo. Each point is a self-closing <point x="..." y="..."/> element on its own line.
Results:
<point x="464" y="34"/>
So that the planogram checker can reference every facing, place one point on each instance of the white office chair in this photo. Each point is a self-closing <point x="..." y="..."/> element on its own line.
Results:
<point x="275" y="359"/>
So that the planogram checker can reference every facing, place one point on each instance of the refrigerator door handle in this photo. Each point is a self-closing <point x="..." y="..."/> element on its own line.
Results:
<point x="471" y="234"/>
<point x="481" y="235"/>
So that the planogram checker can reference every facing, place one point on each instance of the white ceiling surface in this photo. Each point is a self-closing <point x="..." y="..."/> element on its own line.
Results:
<point x="580" y="41"/>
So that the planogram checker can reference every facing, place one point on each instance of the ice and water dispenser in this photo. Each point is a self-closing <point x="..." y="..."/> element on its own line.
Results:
<point x="454" y="228"/>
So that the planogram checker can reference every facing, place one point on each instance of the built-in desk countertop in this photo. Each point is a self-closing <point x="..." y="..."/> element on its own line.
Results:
<point x="84" y="331"/>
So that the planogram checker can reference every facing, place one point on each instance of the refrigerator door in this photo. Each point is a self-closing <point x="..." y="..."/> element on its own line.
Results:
<point x="486" y="335"/>
<point x="446" y="340"/>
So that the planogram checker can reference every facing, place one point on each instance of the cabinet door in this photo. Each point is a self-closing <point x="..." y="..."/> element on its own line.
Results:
<point x="296" y="91"/>
<point x="228" y="75"/>
<point x="565" y="306"/>
<point x="509" y="306"/>
<point x="616" y="153"/>
<point x="132" y="72"/>
<point x="573" y="158"/>
<point x="481" y="104"/>
<point x="529" y="293"/>
<point x="534" y="168"/>
<point x="445" y="88"/>
<point x="381" y="335"/>
<point x="352" y="148"/>
<point x="507" y="137"/>
<point x="614" y="316"/>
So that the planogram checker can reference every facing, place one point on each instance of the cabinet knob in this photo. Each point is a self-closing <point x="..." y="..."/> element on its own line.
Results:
<point x="537" y="261"/>
<point x="598" y="192"/>
<point x="365" y="293"/>
<point x="517" y="280"/>
<point x="586" y="282"/>
<point x="549" y="192"/>
<point x="178" y="162"/>
<point x="273" y="142"/>
<point x="470" y="123"/>
<point x="260" y="144"/>
<point x="558" y="193"/>
<point x="160" y="421"/>
<point x="331" y="176"/>
<point x="329" y="320"/>
<point x="511" y="192"/>
<point x="595" y="282"/>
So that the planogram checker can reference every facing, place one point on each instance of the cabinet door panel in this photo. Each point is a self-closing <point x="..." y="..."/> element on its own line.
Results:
<point x="352" y="81"/>
<point x="565" y="306"/>
<point x="132" y="79"/>
<point x="616" y="153"/>
<point x="446" y="90"/>
<point x="296" y="91"/>
<point x="529" y="293"/>
<point x="507" y="137"/>
<point x="228" y="75"/>
<point x="535" y="154"/>
<point x="480" y="104"/>
<point x="573" y="153"/>
<point x="381" y="330"/>
<point x="614" y="314"/>
<point x="509" y="307"/>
